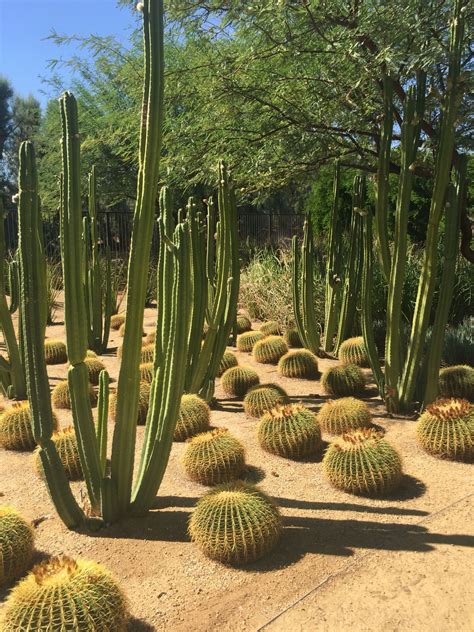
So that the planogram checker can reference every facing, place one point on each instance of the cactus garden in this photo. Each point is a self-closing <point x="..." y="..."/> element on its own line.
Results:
<point x="237" y="319"/>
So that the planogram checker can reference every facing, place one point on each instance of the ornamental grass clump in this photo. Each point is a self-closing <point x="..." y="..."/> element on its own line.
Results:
<point x="269" y="350"/>
<point x="228" y="361"/>
<point x="290" y="431"/>
<point x="343" y="380"/>
<point x="247" y="340"/>
<point x="457" y="381"/>
<point x="16" y="431"/>
<point x="194" y="417"/>
<point x="65" y="594"/>
<point x="214" y="457"/>
<point x="338" y="416"/>
<point x="446" y="429"/>
<point x="352" y="351"/>
<point x="362" y="462"/>
<point x="300" y="363"/>
<point x="16" y="545"/>
<point x="235" y="523"/>
<point x="55" y="352"/>
<point x="264" y="397"/>
<point x="237" y="380"/>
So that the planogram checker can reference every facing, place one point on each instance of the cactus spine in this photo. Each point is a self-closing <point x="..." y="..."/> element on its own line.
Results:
<point x="99" y="308"/>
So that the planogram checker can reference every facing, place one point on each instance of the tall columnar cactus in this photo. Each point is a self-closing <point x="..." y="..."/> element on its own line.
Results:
<point x="12" y="375"/>
<point x="99" y="299"/>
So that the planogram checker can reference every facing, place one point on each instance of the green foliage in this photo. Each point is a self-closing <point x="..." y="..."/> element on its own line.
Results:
<point x="66" y="594"/>
<point x="247" y="340"/>
<point x="362" y="462"/>
<point x="65" y="442"/>
<point x="299" y="363"/>
<point x="290" y="431"/>
<point x="269" y="350"/>
<point x="61" y="398"/>
<point x="459" y="344"/>
<point x="194" y="417"/>
<point x="214" y="457"/>
<point x="55" y="352"/>
<point x="352" y="351"/>
<point x="446" y="429"/>
<point x="238" y="380"/>
<point x="16" y="545"/>
<point x="235" y="523"/>
<point x="16" y="432"/>
<point x="343" y="380"/>
<point x="264" y="397"/>
<point x="338" y="416"/>
<point x="228" y="360"/>
<point x="457" y="381"/>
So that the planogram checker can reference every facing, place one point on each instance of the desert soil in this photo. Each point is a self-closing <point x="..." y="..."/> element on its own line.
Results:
<point x="344" y="562"/>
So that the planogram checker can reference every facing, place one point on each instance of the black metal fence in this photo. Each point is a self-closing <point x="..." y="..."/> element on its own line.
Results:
<point x="115" y="230"/>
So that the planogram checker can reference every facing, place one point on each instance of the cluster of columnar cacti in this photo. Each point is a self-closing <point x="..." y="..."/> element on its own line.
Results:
<point x="457" y="381"/>
<point x="16" y="545"/>
<point x="66" y="594"/>
<point x="411" y="370"/>
<point x="247" y="340"/>
<point x="290" y="431"/>
<point x="194" y="417"/>
<point x="237" y="380"/>
<point x="98" y="283"/>
<point x="343" y="415"/>
<point x="446" y="429"/>
<point x="16" y="427"/>
<point x="264" y="397"/>
<point x="362" y="462"/>
<point x="300" y="363"/>
<point x="269" y="350"/>
<point x="235" y="523"/>
<point x="12" y="373"/>
<point x="214" y="457"/>
<point x="111" y="493"/>
<point x="343" y="380"/>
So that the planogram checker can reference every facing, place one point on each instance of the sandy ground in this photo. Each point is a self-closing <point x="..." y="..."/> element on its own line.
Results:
<point x="344" y="562"/>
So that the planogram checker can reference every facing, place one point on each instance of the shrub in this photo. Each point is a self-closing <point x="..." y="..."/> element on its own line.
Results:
<point x="235" y="523"/>
<point x="446" y="429"/>
<point x="290" y="431"/>
<point x="214" y="457"/>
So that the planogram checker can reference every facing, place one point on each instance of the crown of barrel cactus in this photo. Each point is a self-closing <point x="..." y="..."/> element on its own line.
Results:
<point x="352" y="351"/>
<point x="264" y="397"/>
<point x="457" y="381"/>
<point x="16" y="545"/>
<point x="247" y="340"/>
<point x="290" y="431"/>
<point x="55" y="352"/>
<point x="214" y="457"/>
<point x="243" y="324"/>
<point x="16" y="430"/>
<point x="65" y="442"/>
<point x="94" y="367"/>
<point x="343" y="415"/>
<point x="238" y="380"/>
<point x="292" y="338"/>
<point x="116" y="321"/>
<point x="194" y="417"/>
<point x="66" y="594"/>
<point x="299" y="363"/>
<point x="342" y="380"/>
<point x="61" y="398"/>
<point x="228" y="361"/>
<point x="271" y="328"/>
<point x="362" y="462"/>
<point x="143" y="403"/>
<point x="235" y="523"/>
<point x="446" y="429"/>
<point x="269" y="350"/>
<point x="146" y="372"/>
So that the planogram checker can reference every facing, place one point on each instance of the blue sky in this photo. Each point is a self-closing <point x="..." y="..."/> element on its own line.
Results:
<point x="24" y="24"/>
